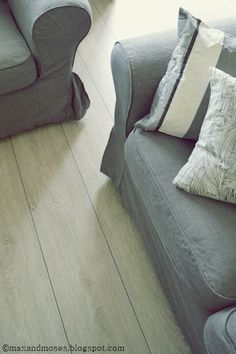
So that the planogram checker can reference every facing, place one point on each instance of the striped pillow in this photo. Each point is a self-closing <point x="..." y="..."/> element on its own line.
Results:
<point x="182" y="98"/>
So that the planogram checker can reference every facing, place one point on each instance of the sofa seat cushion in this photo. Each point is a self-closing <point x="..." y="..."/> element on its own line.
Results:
<point x="198" y="234"/>
<point x="17" y="67"/>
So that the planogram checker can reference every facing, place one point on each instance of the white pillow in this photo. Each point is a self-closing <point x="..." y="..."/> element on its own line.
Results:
<point x="211" y="168"/>
<point x="182" y="98"/>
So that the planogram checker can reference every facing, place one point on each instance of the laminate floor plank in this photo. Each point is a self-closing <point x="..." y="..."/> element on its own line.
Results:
<point x="29" y="314"/>
<point x="87" y="142"/>
<point x="95" y="51"/>
<point x="131" y="18"/>
<point x="90" y="294"/>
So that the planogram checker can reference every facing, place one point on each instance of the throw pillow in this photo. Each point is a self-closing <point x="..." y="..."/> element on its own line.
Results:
<point x="211" y="168"/>
<point x="182" y="98"/>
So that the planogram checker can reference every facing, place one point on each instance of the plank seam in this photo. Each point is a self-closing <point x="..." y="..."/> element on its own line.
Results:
<point x="40" y="246"/>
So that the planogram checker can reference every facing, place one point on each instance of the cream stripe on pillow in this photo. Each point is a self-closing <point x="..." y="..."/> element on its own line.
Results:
<point x="194" y="81"/>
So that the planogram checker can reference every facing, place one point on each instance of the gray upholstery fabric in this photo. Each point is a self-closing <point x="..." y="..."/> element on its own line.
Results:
<point x="200" y="238"/>
<point x="113" y="158"/>
<point x="231" y="327"/>
<point x="185" y="236"/>
<point x="17" y="67"/>
<point x="135" y="85"/>
<point x="135" y="81"/>
<point x="52" y="29"/>
<point x="191" y="240"/>
<point x="41" y="104"/>
<point x="220" y="332"/>
<point x="187" y="310"/>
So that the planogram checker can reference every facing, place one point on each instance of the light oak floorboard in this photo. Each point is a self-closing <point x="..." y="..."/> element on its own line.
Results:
<point x="87" y="141"/>
<point x="96" y="52"/>
<point x="28" y="311"/>
<point x="90" y="294"/>
<point x="131" y="18"/>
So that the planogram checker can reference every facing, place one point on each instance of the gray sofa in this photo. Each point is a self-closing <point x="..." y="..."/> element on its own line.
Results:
<point x="191" y="239"/>
<point x="38" y="41"/>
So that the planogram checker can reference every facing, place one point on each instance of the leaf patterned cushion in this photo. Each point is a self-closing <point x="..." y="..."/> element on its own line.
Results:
<point x="211" y="168"/>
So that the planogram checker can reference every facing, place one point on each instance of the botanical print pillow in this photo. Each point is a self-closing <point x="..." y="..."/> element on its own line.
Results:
<point x="211" y="168"/>
<point x="182" y="97"/>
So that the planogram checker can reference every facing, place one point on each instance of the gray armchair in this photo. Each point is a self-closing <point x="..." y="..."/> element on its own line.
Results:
<point x="38" y="42"/>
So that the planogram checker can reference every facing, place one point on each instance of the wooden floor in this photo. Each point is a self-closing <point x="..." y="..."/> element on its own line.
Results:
<point x="73" y="268"/>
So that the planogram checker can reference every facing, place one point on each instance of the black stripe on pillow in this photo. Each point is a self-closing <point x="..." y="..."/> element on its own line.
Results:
<point x="187" y="54"/>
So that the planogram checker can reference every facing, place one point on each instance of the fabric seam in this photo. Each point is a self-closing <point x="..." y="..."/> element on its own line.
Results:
<point x="209" y="285"/>
<point x="128" y="109"/>
<point x="226" y="330"/>
<point x="164" y="248"/>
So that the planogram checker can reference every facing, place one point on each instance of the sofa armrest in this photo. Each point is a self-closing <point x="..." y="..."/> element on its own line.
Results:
<point x="220" y="332"/>
<point x="138" y="64"/>
<point x="52" y="30"/>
